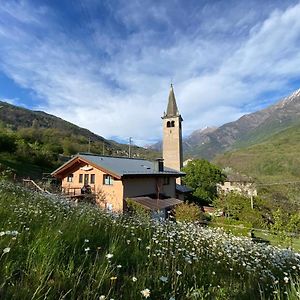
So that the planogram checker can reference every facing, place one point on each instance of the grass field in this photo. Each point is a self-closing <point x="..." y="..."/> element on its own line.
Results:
<point x="280" y="240"/>
<point x="50" y="249"/>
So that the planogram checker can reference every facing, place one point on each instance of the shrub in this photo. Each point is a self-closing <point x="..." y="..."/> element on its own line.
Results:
<point x="188" y="212"/>
<point x="137" y="209"/>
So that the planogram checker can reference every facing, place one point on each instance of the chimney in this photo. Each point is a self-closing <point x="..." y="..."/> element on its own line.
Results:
<point x="159" y="165"/>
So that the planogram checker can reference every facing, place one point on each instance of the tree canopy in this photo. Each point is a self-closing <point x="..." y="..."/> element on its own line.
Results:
<point x="203" y="177"/>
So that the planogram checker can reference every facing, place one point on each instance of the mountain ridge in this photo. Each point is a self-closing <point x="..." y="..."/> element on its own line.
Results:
<point x="247" y="130"/>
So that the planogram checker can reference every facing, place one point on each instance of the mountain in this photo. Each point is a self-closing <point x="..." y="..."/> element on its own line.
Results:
<point x="248" y="130"/>
<point x="275" y="159"/>
<point x="274" y="164"/>
<point x="44" y="140"/>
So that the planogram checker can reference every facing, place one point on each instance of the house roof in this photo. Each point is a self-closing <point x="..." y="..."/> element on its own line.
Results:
<point x="236" y="177"/>
<point x="183" y="188"/>
<point x="155" y="204"/>
<point x="120" y="166"/>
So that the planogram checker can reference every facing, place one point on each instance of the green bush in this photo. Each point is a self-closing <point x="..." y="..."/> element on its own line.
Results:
<point x="7" y="143"/>
<point x="188" y="212"/>
<point x="238" y="207"/>
<point x="137" y="209"/>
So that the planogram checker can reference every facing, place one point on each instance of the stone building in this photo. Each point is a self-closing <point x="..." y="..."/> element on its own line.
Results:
<point x="172" y="135"/>
<point x="238" y="183"/>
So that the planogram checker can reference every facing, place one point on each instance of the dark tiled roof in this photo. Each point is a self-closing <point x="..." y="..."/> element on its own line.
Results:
<point x="238" y="178"/>
<point x="183" y="188"/>
<point x="154" y="204"/>
<point x="123" y="166"/>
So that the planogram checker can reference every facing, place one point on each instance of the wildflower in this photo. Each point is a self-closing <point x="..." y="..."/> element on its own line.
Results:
<point x="102" y="297"/>
<point x="286" y="279"/>
<point x="87" y="249"/>
<point x="109" y="256"/>
<point x="6" y="250"/>
<point x="163" y="279"/>
<point x="172" y="298"/>
<point x="145" y="293"/>
<point x="2" y="233"/>
<point x="214" y="273"/>
<point x="134" y="279"/>
<point x="119" y="266"/>
<point x="113" y="278"/>
<point x="178" y="272"/>
<point x="86" y="240"/>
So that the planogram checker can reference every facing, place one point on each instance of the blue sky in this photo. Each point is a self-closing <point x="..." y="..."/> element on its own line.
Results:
<point x="107" y="65"/>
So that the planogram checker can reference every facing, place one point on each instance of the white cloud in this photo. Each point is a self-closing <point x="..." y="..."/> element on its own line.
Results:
<point x="8" y="100"/>
<point x="220" y="71"/>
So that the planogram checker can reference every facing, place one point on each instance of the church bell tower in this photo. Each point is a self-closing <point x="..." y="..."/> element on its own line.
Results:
<point x="172" y="135"/>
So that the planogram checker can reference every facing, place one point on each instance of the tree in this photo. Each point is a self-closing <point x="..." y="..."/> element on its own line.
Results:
<point x="7" y="143"/>
<point x="203" y="177"/>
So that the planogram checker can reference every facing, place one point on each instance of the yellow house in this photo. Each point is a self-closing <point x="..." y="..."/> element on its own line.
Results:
<point x="113" y="179"/>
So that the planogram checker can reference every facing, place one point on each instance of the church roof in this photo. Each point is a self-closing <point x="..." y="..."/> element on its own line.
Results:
<point x="172" y="109"/>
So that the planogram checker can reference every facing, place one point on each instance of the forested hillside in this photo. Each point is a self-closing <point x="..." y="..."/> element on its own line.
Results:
<point x="33" y="142"/>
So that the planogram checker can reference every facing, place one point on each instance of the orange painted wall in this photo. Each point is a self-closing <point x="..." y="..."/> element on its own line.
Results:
<point x="116" y="193"/>
<point x="113" y="193"/>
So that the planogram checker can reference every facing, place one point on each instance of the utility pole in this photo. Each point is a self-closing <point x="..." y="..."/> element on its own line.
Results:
<point x="129" y="148"/>
<point x="89" y="148"/>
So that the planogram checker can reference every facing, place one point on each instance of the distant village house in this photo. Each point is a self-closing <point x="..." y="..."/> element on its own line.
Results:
<point x="238" y="183"/>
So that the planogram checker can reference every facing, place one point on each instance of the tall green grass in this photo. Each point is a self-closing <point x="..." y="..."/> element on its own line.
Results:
<point x="50" y="249"/>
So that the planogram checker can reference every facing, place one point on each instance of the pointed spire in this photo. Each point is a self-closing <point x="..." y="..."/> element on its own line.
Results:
<point x="172" y="109"/>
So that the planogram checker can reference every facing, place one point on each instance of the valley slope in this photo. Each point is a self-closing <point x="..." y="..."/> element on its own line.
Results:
<point x="248" y="130"/>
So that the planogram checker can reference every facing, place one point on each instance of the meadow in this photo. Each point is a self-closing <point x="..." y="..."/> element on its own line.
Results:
<point x="52" y="249"/>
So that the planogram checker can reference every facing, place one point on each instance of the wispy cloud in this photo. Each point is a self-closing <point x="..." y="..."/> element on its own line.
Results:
<point x="111" y="71"/>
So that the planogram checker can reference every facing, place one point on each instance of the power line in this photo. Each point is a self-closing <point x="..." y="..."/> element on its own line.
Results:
<point x="277" y="183"/>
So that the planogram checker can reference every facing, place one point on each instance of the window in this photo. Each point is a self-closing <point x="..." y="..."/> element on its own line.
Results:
<point x="86" y="179"/>
<point x="168" y="124"/>
<point x="166" y="181"/>
<point x="92" y="178"/>
<point x="70" y="178"/>
<point x="80" y="178"/>
<point x="173" y="124"/>
<point x="108" y="180"/>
